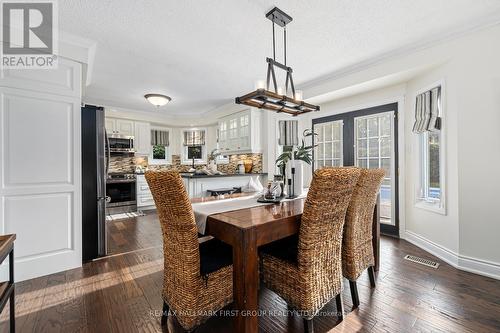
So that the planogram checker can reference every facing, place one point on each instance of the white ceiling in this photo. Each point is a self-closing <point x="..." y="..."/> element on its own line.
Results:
<point x="204" y="53"/>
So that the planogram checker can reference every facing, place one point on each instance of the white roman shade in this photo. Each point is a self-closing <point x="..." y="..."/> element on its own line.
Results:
<point x="289" y="132"/>
<point x="194" y="138"/>
<point x="427" y="111"/>
<point x="159" y="138"/>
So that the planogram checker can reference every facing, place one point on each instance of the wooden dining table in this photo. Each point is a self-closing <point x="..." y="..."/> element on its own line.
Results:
<point x="247" y="229"/>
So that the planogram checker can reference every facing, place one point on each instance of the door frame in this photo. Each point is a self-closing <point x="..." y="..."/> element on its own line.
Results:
<point x="348" y="151"/>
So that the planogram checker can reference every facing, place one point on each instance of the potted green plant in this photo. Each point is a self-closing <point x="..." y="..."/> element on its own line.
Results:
<point x="302" y="153"/>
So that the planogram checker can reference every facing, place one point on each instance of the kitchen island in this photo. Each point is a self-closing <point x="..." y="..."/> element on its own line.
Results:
<point x="198" y="185"/>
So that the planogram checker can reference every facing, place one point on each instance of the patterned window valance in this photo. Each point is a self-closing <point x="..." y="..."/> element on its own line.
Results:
<point x="288" y="132"/>
<point x="194" y="138"/>
<point x="159" y="138"/>
<point x="427" y="111"/>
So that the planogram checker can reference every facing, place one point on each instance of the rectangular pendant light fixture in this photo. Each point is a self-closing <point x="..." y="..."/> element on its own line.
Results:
<point x="270" y="100"/>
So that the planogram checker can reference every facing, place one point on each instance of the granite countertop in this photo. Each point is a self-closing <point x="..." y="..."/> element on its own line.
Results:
<point x="192" y="175"/>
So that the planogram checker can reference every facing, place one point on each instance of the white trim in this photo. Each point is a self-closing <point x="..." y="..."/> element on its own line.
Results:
<point x="441" y="207"/>
<point x="478" y="266"/>
<point x="435" y="249"/>
<point x="461" y="262"/>
<point x="439" y="39"/>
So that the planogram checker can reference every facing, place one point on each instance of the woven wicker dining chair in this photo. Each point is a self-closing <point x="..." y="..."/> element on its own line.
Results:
<point x="357" y="249"/>
<point x="306" y="271"/>
<point x="197" y="277"/>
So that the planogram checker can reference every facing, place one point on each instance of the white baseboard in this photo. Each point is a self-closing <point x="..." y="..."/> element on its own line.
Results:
<point x="468" y="264"/>
<point x="439" y="251"/>
<point x="478" y="266"/>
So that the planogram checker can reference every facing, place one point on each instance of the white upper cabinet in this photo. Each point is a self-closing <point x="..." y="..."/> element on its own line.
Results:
<point x="125" y="127"/>
<point x="240" y="132"/>
<point x="119" y="126"/>
<point x="142" y="142"/>
<point x="110" y="125"/>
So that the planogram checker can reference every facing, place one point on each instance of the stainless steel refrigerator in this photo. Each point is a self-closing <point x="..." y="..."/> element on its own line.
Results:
<point x="94" y="174"/>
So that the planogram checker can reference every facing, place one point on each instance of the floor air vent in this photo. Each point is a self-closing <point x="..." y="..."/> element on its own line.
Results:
<point x="422" y="261"/>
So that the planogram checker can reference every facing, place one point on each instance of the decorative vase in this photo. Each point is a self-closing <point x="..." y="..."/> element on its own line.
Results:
<point x="298" y="177"/>
<point x="248" y="166"/>
<point x="212" y="166"/>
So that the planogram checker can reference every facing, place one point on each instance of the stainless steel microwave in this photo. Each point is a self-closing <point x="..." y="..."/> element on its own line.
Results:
<point x="120" y="143"/>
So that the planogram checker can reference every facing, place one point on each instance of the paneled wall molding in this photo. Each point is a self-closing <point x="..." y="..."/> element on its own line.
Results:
<point x="40" y="168"/>
<point x="468" y="264"/>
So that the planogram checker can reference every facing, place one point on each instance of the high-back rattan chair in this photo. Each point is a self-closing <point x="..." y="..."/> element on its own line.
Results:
<point x="357" y="249"/>
<point x="197" y="276"/>
<point x="307" y="272"/>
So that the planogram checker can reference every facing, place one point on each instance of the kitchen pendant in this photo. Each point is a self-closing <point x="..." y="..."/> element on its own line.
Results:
<point x="273" y="100"/>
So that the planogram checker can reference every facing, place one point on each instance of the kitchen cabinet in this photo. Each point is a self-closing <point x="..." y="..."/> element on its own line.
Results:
<point x="197" y="187"/>
<point x="241" y="132"/>
<point x="125" y="127"/>
<point x="119" y="126"/>
<point x="110" y="125"/>
<point x="144" y="196"/>
<point x="142" y="142"/>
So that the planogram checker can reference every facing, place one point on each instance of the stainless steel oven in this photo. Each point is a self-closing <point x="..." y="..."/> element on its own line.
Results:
<point x="121" y="194"/>
<point x="120" y="143"/>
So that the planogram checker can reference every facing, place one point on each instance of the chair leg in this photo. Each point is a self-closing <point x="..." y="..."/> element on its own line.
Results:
<point x="371" y="274"/>
<point x="308" y="326"/>
<point x="340" y="306"/>
<point x="164" y="314"/>
<point x="354" y="293"/>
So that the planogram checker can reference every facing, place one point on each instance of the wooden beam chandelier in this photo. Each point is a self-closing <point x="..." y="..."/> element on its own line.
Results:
<point x="272" y="100"/>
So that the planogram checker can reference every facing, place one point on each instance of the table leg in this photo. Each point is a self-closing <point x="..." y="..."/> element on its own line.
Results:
<point x="12" y="300"/>
<point x="245" y="283"/>
<point x="376" y="234"/>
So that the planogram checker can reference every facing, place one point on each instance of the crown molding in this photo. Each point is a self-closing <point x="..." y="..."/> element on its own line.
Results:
<point x="488" y="22"/>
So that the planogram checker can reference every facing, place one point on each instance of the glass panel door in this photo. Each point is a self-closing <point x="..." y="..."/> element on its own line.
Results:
<point x="373" y="149"/>
<point x="328" y="141"/>
<point x="366" y="138"/>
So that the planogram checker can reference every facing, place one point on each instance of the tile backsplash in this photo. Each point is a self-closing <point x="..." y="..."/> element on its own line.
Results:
<point x="127" y="164"/>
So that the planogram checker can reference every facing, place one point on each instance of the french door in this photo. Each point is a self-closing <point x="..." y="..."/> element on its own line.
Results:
<point x="367" y="139"/>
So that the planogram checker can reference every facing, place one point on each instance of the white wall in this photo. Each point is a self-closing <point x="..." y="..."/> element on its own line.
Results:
<point x="477" y="81"/>
<point x="468" y="233"/>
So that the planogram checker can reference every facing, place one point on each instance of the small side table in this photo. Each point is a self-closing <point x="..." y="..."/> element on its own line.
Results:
<point x="7" y="287"/>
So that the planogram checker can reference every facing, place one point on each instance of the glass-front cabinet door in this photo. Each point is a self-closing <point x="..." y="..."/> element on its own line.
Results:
<point x="222" y="137"/>
<point x="233" y="133"/>
<point x="244" y="131"/>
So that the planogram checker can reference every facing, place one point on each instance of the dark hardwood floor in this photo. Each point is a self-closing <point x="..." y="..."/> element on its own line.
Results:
<point x="133" y="234"/>
<point x="121" y="293"/>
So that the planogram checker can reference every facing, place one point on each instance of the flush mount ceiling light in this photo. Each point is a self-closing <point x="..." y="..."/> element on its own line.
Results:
<point x="157" y="99"/>
<point x="273" y="100"/>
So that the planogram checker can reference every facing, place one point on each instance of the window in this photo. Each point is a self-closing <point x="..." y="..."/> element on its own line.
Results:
<point x="160" y="152"/>
<point x="194" y="152"/>
<point x="430" y="187"/>
<point x="194" y="148"/>
<point x="328" y="151"/>
<point x="428" y="122"/>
